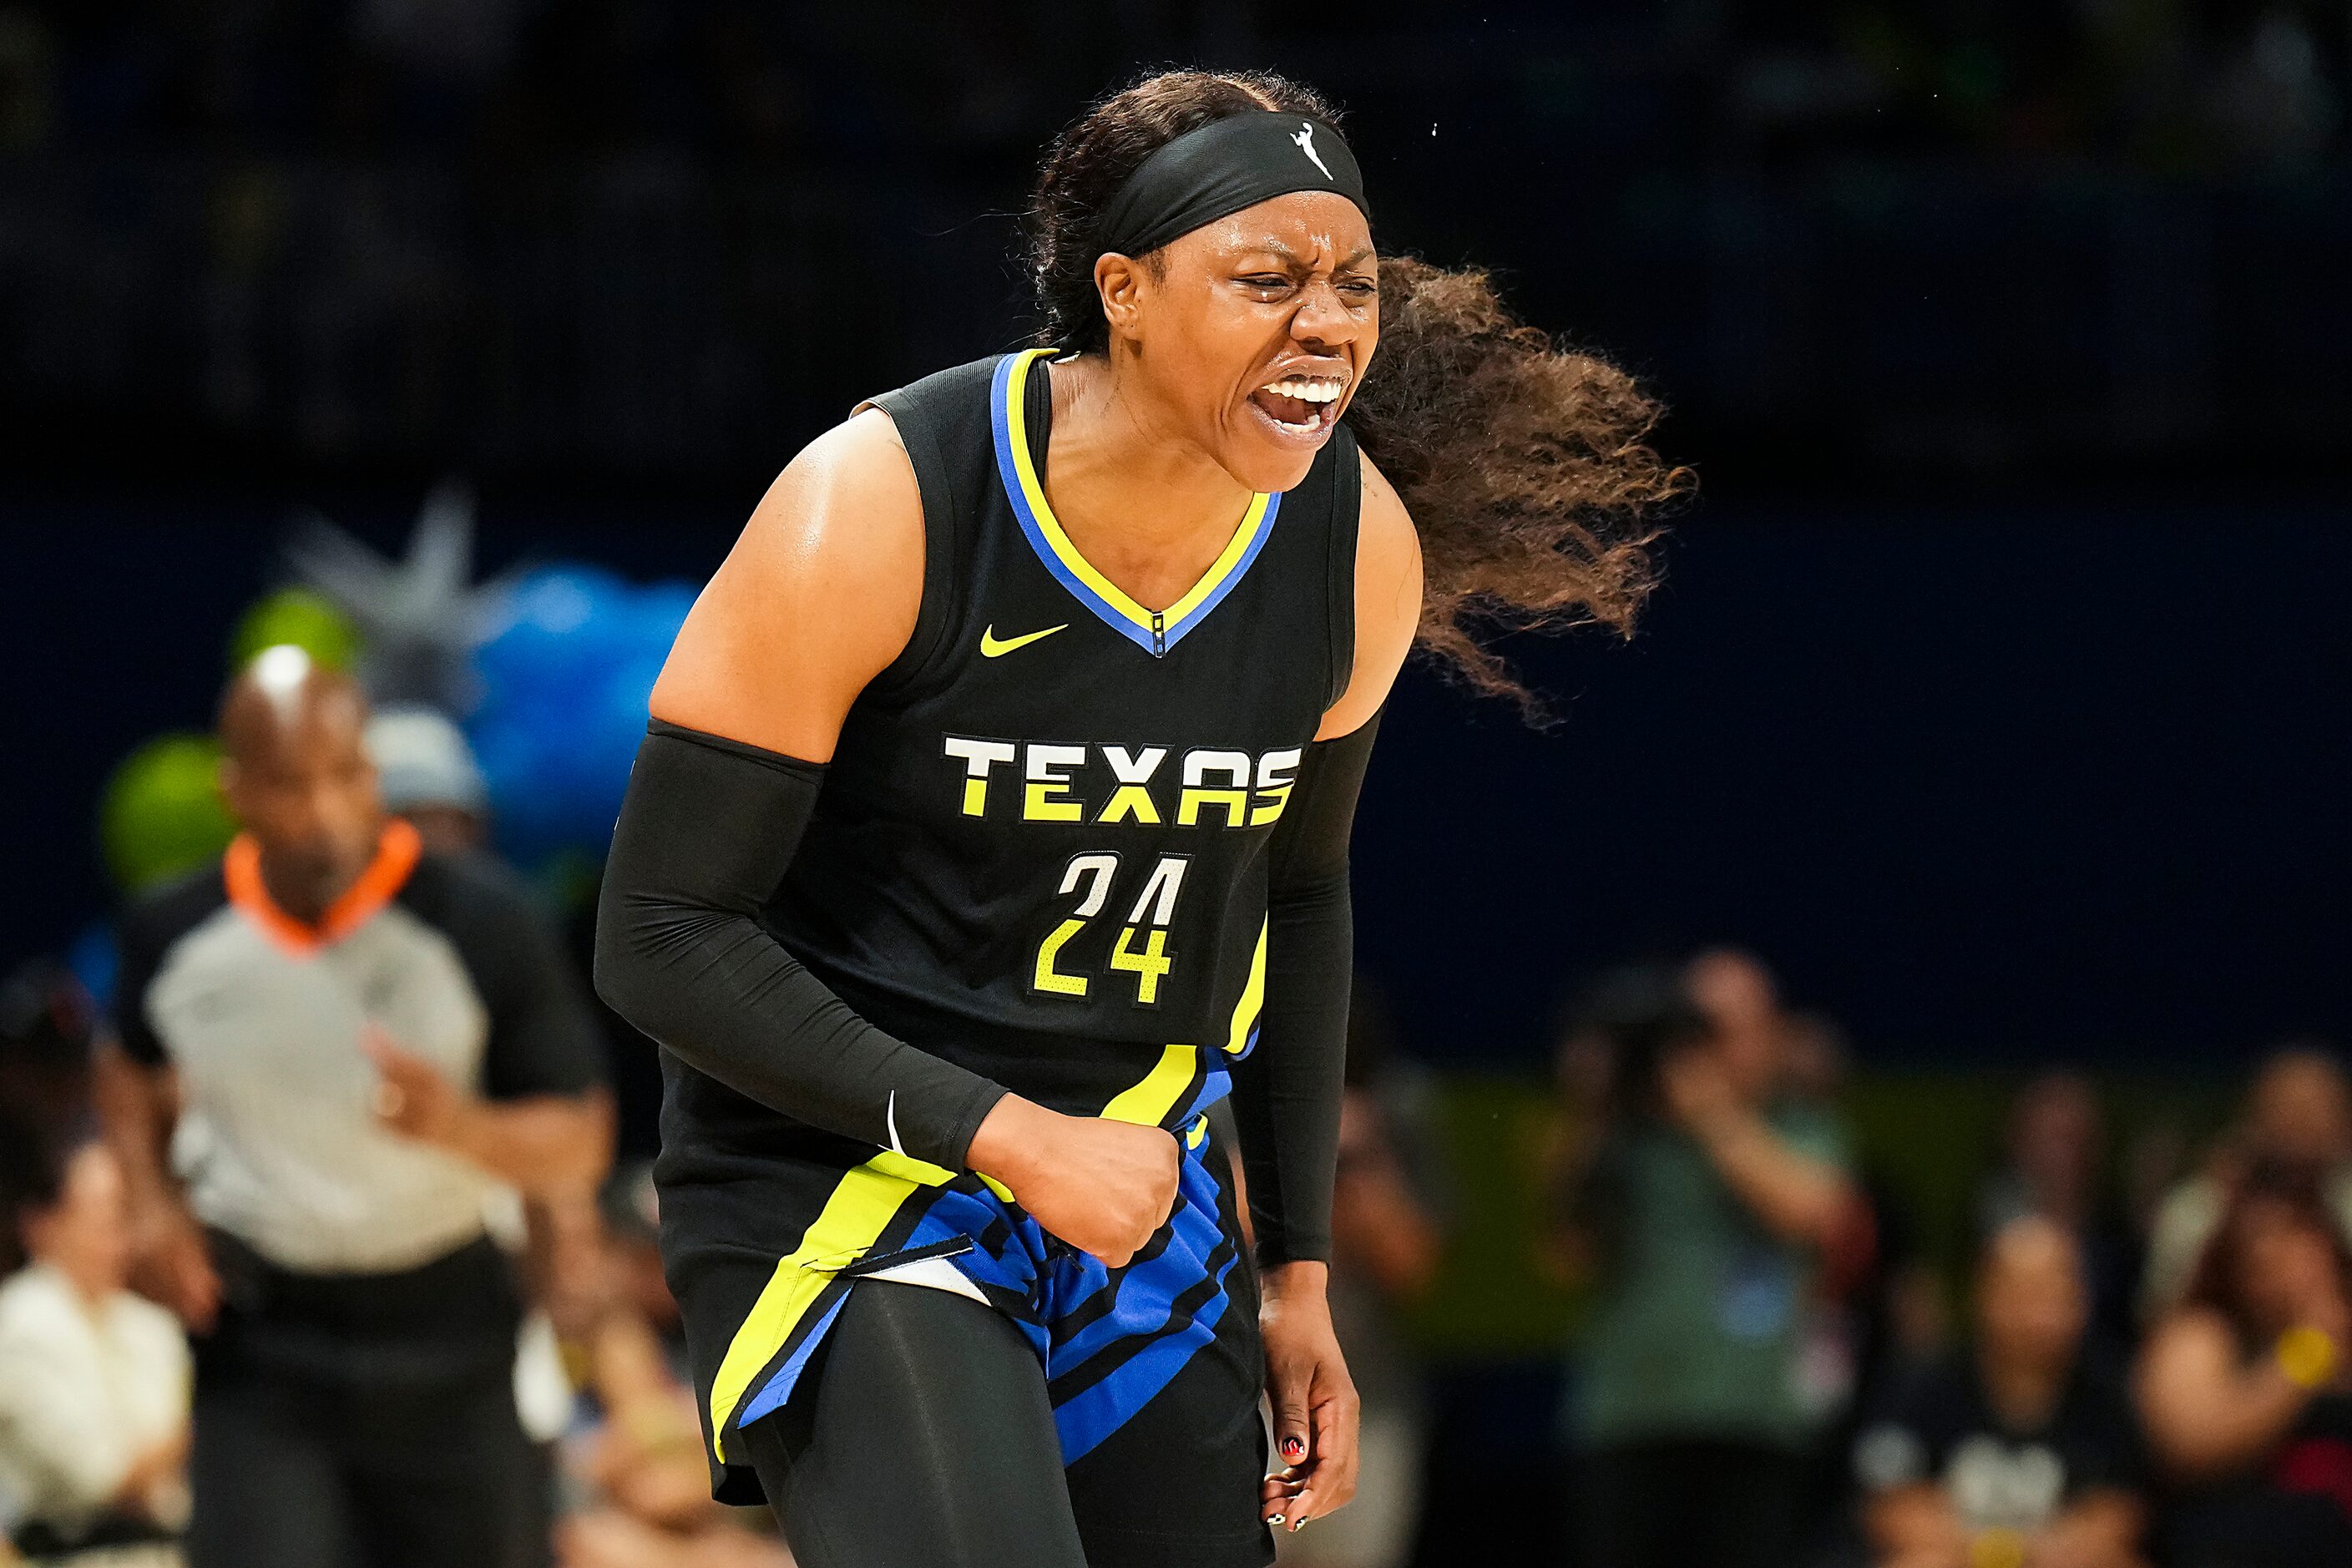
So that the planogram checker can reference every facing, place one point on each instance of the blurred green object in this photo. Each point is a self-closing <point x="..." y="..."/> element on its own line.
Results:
<point x="162" y="812"/>
<point x="298" y="615"/>
<point x="1495" y="1298"/>
<point x="1924" y="1137"/>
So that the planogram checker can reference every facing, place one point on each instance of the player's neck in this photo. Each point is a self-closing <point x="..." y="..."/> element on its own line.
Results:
<point x="1123" y="476"/>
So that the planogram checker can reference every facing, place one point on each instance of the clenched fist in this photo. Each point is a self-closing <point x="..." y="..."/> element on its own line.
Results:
<point x="1102" y="1187"/>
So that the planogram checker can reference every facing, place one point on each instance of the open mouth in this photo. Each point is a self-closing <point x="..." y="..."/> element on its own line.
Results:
<point x="1301" y="404"/>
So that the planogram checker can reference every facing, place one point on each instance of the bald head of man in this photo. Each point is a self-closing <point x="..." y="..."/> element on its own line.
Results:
<point x="296" y="774"/>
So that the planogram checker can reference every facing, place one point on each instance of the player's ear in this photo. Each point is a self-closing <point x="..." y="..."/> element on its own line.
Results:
<point x="1121" y="281"/>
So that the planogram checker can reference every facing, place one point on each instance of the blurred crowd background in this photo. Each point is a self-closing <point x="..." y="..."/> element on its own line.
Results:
<point x="1863" y="1076"/>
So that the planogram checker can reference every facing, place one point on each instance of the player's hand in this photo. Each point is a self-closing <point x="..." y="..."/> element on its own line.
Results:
<point x="412" y="1097"/>
<point x="1102" y="1187"/>
<point x="1314" y="1399"/>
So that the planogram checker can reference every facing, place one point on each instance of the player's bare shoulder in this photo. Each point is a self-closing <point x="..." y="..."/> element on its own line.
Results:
<point x="818" y="596"/>
<point x="1388" y="601"/>
<point x="1388" y="547"/>
<point x="844" y="517"/>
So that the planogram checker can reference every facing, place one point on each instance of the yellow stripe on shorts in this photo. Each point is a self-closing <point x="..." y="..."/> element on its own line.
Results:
<point x="862" y="1205"/>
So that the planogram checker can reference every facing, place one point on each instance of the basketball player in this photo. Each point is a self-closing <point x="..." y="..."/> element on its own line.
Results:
<point x="994" y="822"/>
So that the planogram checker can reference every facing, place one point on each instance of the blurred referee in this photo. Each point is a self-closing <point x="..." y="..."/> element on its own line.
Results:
<point x="351" y="1048"/>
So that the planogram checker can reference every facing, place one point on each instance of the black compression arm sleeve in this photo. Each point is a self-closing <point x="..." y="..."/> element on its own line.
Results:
<point x="1287" y="1091"/>
<point x="706" y="833"/>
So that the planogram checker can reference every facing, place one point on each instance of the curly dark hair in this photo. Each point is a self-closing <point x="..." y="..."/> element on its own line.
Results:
<point x="1524" y="464"/>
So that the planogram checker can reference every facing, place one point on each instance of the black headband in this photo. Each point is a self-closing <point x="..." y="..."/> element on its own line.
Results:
<point x="1218" y="169"/>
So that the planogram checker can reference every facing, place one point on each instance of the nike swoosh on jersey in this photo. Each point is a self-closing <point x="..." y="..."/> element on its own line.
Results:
<point x="990" y="648"/>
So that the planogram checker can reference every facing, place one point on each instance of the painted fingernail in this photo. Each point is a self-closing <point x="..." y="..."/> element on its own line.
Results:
<point x="1274" y="1519"/>
<point x="1297" y="1522"/>
<point x="1292" y="1447"/>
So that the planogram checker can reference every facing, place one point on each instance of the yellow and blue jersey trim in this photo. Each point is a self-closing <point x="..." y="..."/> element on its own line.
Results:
<point x="1155" y="632"/>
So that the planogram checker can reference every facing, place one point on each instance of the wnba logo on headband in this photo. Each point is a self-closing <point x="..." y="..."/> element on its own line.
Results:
<point x="1304" y="137"/>
<point x="1217" y="169"/>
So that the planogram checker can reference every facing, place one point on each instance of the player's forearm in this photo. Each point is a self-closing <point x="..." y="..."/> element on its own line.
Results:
<point x="545" y="1145"/>
<point x="1287" y="1095"/>
<point x="1287" y="1092"/>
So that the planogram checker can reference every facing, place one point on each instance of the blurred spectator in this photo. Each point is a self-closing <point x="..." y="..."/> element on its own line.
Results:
<point x="2245" y="1390"/>
<point x="2021" y="1451"/>
<point x="1877" y="1312"/>
<point x="93" y="1383"/>
<point x="427" y="773"/>
<point x="46" y="1024"/>
<point x="2298" y="1115"/>
<point x="2161" y="1153"/>
<point x="359" y="1047"/>
<point x="1708" y="1200"/>
<point x="1881" y="1306"/>
<point x="632" y="1277"/>
<point x="639" y="1468"/>
<point x="1387" y="1247"/>
<point x="2054" y="1165"/>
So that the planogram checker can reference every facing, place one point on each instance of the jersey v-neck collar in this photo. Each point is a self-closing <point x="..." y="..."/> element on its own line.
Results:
<point x="1153" y="631"/>
<point x="397" y="852"/>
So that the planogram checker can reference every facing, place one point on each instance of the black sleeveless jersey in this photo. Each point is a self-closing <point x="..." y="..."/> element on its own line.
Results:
<point x="1040" y="849"/>
<point x="1039" y="852"/>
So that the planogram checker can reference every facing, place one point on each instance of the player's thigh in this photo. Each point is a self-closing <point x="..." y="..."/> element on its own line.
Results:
<point x="267" y="1491"/>
<point x="1176" y="1485"/>
<point x="926" y="1441"/>
<point x="442" y="1474"/>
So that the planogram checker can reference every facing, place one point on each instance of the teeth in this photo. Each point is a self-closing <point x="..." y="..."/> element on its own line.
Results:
<point x="1306" y="390"/>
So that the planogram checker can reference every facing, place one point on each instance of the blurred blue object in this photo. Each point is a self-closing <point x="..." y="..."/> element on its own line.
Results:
<point x="557" y="632"/>
<point x="93" y="960"/>
<point x="663" y="608"/>
<point x="525" y="820"/>
<point x="565" y="679"/>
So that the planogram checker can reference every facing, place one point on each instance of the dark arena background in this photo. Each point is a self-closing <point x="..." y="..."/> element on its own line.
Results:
<point x="1995" y="696"/>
